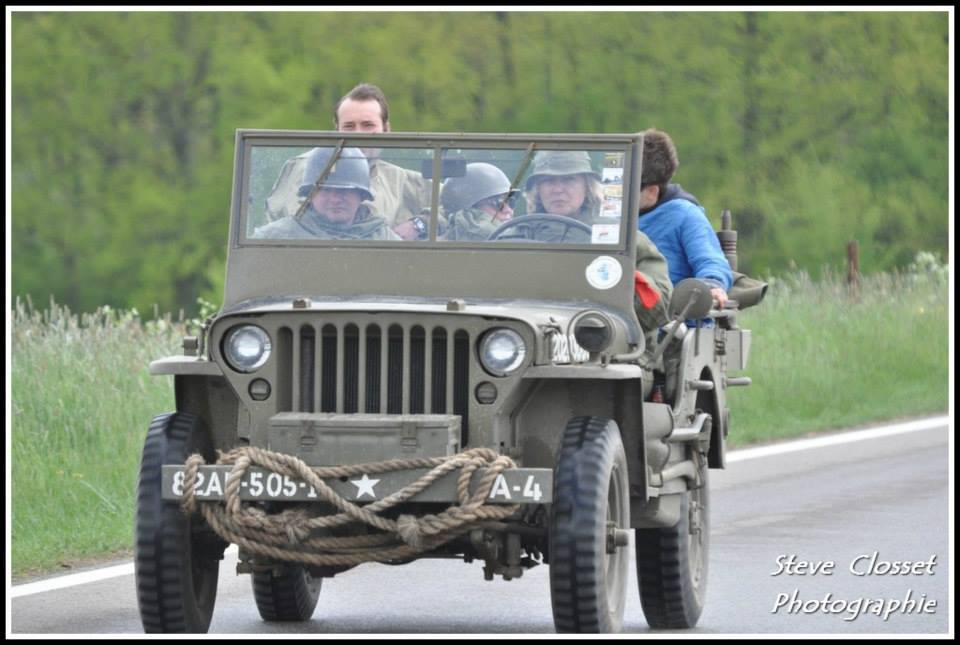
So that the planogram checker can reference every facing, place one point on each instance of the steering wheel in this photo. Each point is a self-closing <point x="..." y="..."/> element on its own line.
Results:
<point x="530" y="226"/>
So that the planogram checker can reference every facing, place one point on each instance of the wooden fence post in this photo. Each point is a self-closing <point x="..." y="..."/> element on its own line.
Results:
<point x="853" y="267"/>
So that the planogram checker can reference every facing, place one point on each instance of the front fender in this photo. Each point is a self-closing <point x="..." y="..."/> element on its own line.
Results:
<point x="184" y="365"/>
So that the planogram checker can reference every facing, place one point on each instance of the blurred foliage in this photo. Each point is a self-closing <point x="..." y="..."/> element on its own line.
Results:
<point x="814" y="128"/>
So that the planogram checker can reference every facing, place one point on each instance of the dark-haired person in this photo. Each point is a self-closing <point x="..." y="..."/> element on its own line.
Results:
<point x="676" y="222"/>
<point x="399" y="195"/>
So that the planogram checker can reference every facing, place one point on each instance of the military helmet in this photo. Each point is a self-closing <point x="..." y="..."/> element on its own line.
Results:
<point x="480" y="181"/>
<point x="349" y="171"/>
<point x="561" y="162"/>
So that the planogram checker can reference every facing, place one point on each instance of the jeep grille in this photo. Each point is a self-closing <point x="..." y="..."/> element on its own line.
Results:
<point x="351" y="367"/>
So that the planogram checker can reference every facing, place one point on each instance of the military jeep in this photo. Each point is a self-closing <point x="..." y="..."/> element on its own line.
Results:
<point x="385" y="400"/>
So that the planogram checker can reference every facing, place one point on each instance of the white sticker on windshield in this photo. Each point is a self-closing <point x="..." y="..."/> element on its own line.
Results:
<point x="605" y="234"/>
<point x="604" y="272"/>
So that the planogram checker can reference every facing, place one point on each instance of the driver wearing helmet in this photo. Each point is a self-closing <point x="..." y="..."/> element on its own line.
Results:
<point x="477" y="203"/>
<point x="563" y="182"/>
<point x="336" y="210"/>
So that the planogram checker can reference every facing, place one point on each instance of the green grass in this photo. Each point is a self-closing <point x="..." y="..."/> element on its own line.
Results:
<point x="83" y="398"/>
<point x="823" y="357"/>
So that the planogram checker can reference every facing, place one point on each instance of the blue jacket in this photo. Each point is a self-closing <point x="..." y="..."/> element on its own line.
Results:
<point x="679" y="227"/>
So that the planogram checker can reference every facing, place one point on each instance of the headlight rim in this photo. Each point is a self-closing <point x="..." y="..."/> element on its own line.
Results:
<point x="608" y="325"/>
<point x="231" y="360"/>
<point x="517" y="363"/>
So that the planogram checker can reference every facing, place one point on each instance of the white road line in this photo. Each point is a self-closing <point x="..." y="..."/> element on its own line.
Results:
<point x="95" y="575"/>
<point x="835" y="439"/>
<point x="82" y="578"/>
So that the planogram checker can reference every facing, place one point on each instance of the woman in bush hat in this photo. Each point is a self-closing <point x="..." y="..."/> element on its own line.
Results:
<point x="564" y="183"/>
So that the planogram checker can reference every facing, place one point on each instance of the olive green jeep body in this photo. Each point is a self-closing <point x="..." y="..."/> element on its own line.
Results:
<point x="353" y="351"/>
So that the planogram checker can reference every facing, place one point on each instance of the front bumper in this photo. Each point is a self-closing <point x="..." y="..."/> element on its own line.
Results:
<point x="513" y="486"/>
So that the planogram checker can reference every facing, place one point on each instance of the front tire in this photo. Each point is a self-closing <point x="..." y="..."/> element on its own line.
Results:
<point x="290" y="596"/>
<point x="177" y="557"/>
<point x="588" y="572"/>
<point x="672" y="563"/>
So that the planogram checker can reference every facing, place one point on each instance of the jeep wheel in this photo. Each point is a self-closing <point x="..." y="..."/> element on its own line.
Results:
<point x="291" y="595"/>
<point x="177" y="557"/>
<point x="588" y="517"/>
<point x="672" y="564"/>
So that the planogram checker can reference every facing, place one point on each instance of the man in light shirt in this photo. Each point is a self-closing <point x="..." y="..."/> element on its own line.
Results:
<point x="400" y="196"/>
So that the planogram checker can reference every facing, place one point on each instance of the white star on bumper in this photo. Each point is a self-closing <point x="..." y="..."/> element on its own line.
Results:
<point x="365" y="486"/>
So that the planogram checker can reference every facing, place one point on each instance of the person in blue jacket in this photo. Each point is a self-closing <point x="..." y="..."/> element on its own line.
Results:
<point x="676" y="222"/>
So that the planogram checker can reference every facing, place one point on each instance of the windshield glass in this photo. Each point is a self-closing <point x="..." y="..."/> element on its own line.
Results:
<point x="487" y="196"/>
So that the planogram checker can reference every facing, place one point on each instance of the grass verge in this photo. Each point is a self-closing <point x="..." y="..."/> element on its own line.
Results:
<point x="82" y="400"/>
<point x="823" y="357"/>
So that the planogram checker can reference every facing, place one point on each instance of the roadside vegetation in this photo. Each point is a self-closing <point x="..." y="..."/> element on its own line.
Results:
<point x="81" y="402"/>
<point x="827" y="356"/>
<point x="823" y="356"/>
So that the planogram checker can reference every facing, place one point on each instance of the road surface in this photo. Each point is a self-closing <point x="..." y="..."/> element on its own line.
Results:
<point x="872" y="502"/>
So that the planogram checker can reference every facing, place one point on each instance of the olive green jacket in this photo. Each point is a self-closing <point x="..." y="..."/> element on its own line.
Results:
<point x="470" y="224"/>
<point x="311" y="226"/>
<point x="398" y="193"/>
<point x="653" y="267"/>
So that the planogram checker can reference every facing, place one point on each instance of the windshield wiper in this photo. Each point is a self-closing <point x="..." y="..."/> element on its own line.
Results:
<point x="320" y="179"/>
<point x="513" y="184"/>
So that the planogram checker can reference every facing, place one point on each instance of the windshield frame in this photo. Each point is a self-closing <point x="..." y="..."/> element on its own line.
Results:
<point x="247" y="139"/>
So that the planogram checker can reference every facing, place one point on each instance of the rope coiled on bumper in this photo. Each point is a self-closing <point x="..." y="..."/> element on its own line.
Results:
<point x="294" y="535"/>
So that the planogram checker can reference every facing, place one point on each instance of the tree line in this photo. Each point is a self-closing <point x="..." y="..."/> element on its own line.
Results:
<point x="813" y="128"/>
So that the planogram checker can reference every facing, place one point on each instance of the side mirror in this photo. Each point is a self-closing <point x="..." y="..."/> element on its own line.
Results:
<point x="691" y="299"/>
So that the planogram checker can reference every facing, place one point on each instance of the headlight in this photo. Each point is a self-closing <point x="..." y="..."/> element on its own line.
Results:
<point x="502" y="351"/>
<point x="246" y="348"/>
<point x="593" y="331"/>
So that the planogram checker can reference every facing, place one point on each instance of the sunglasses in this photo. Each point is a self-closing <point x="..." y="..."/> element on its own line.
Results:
<point x="500" y="201"/>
